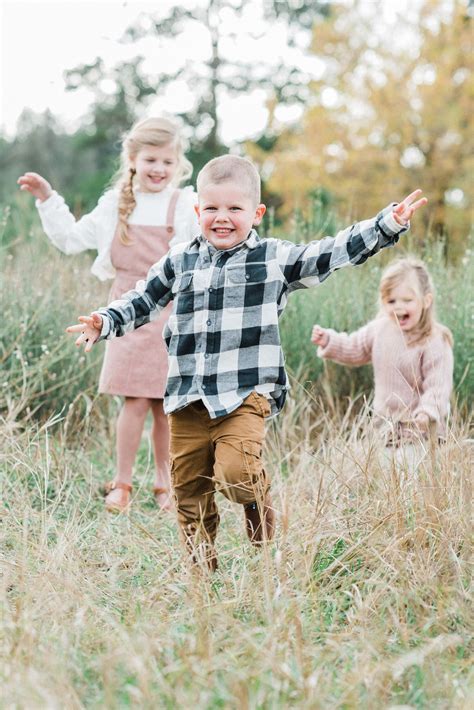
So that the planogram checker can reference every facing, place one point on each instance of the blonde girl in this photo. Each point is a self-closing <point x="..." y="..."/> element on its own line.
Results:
<point x="411" y="353"/>
<point x="132" y="227"/>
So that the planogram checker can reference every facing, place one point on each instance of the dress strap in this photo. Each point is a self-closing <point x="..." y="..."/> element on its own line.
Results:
<point x="171" y="211"/>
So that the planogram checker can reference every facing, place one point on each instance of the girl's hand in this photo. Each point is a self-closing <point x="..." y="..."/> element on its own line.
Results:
<point x="407" y="207"/>
<point x="37" y="185"/>
<point x="89" y="329"/>
<point x="422" y="422"/>
<point x="319" y="336"/>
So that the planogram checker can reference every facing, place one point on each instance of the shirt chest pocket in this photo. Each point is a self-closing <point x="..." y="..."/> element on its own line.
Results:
<point x="186" y="298"/>
<point x="249" y="273"/>
<point x="246" y="286"/>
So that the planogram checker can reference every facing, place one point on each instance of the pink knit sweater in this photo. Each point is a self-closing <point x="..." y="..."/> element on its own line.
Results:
<point x="409" y="379"/>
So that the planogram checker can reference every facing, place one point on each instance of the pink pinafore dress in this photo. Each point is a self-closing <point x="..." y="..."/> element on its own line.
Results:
<point x="136" y="365"/>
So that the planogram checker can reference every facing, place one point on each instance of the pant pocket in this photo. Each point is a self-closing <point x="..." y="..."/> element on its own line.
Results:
<point x="253" y="465"/>
<point x="261" y="403"/>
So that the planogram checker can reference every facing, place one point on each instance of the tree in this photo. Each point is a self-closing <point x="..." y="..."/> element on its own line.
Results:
<point x="221" y="72"/>
<point x="387" y="117"/>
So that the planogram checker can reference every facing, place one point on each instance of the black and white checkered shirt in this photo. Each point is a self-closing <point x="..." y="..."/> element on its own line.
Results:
<point x="223" y="338"/>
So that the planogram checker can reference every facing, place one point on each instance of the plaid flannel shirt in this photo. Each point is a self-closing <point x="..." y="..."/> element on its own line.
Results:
<point x="223" y="337"/>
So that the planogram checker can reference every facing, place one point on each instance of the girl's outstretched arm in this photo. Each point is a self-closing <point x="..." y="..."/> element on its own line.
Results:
<point x="36" y="185"/>
<point x="348" y="349"/>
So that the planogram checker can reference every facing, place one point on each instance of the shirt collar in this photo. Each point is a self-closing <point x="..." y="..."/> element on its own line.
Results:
<point x="251" y="242"/>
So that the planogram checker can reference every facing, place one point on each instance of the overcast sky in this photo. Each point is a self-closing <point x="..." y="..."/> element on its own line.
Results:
<point x="41" y="39"/>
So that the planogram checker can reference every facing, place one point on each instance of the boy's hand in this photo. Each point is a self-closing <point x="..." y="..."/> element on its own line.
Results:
<point x="319" y="336"/>
<point x="37" y="185"/>
<point x="407" y="207"/>
<point x="89" y="329"/>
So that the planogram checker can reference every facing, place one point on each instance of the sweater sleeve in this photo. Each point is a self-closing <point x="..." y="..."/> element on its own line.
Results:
<point x="71" y="236"/>
<point x="437" y="380"/>
<point x="350" y="349"/>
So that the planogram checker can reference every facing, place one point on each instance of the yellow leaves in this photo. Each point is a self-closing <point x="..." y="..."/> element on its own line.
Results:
<point x="386" y="117"/>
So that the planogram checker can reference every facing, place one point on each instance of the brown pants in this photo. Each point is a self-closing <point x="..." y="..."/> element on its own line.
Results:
<point x="223" y="454"/>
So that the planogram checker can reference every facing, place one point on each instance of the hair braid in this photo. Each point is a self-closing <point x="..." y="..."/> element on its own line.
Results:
<point x="126" y="205"/>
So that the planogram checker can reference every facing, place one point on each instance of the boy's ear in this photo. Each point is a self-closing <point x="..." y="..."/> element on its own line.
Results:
<point x="197" y="211"/>
<point x="259" y="212"/>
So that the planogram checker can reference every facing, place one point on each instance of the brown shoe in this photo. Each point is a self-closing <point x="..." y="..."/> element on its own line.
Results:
<point x="257" y="532"/>
<point x="203" y="557"/>
<point x="117" y="503"/>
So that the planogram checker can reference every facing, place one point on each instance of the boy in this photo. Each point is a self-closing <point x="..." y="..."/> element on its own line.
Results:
<point x="225" y="364"/>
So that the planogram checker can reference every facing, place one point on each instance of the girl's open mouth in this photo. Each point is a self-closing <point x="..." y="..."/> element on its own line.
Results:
<point x="402" y="318"/>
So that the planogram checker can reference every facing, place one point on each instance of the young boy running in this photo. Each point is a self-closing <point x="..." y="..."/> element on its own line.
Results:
<point x="226" y="369"/>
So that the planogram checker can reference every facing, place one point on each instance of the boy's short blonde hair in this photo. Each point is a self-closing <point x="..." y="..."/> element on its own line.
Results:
<point x="228" y="168"/>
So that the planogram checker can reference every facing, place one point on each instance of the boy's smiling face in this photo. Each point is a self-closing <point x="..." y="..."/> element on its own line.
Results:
<point x="227" y="213"/>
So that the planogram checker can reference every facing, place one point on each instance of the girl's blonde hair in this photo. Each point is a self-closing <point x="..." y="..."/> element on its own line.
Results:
<point x="150" y="131"/>
<point x="414" y="269"/>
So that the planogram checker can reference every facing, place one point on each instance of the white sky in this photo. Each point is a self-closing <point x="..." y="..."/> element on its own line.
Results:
<point x="40" y="39"/>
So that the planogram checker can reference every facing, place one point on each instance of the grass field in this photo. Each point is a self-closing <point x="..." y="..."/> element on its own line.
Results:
<point x="362" y="601"/>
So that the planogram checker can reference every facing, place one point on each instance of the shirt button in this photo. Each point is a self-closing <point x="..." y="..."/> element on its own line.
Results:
<point x="209" y="322"/>
<point x="206" y="355"/>
<point x="247" y="276"/>
<point x="210" y="289"/>
<point x="203" y="387"/>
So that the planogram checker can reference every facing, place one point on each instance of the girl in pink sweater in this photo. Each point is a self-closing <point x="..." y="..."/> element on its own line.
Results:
<point x="411" y="353"/>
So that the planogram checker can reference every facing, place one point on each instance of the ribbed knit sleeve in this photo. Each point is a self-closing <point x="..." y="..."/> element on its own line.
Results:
<point x="437" y="379"/>
<point x="350" y="349"/>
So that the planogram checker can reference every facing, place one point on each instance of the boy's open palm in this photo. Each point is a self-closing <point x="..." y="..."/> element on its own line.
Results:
<point x="405" y="209"/>
<point x="37" y="185"/>
<point x="89" y="328"/>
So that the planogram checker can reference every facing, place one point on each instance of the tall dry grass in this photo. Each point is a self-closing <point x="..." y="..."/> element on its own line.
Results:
<point x="362" y="601"/>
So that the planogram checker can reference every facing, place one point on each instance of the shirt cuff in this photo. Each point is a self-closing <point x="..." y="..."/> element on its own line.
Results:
<point x="46" y="204"/>
<point x="106" y="325"/>
<point x="390" y="224"/>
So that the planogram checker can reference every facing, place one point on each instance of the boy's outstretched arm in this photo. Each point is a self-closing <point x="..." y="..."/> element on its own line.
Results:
<point x="306" y="265"/>
<point x="89" y="329"/>
<point x="134" y="309"/>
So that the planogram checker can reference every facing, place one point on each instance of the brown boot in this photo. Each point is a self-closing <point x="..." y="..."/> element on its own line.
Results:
<point x="205" y="559"/>
<point x="257" y="532"/>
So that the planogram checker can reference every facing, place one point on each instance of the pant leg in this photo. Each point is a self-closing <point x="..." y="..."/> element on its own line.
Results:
<point x="238" y="440"/>
<point x="192" y="461"/>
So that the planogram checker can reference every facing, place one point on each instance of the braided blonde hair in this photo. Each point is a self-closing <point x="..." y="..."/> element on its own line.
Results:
<point x="397" y="272"/>
<point x="150" y="131"/>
